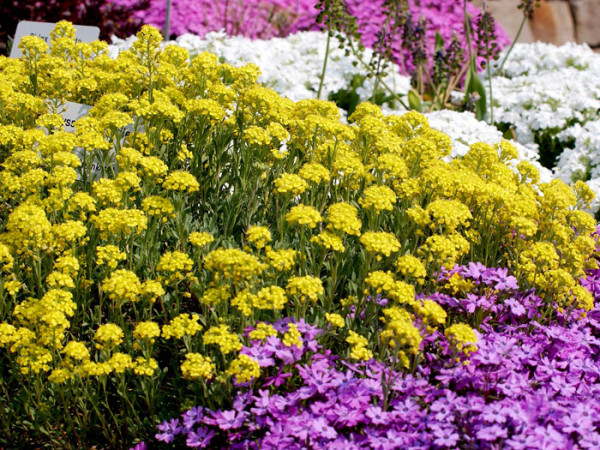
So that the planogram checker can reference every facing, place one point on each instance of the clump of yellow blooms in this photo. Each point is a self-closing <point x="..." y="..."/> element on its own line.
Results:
<point x="108" y="336"/>
<point x="181" y="182"/>
<point x="226" y="340"/>
<point x="335" y="319"/>
<point x="123" y="285"/>
<point x="176" y="265"/>
<point x="378" y="199"/>
<point x="411" y="267"/>
<point x="244" y="368"/>
<point x="359" y="345"/>
<point x="200" y="239"/>
<point x="197" y="366"/>
<point x="314" y="173"/>
<point x="233" y="263"/>
<point x="400" y="333"/>
<point x="292" y="184"/>
<point x="304" y="215"/>
<point x="258" y="236"/>
<point x="182" y="325"/>
<point x="380" y="242"/>
<point x="306" y="288"/>
<point x="462" y="337"/>
<point x="175" y="143"/>
<point x="343" y="217"/>
<point x="329" y="241"/>
<point x="262" y="331"/>
<point x="283" y="259"/>
<point x="272" y="297"/>
<point x="146" y="331"/>
<point x="292" y="336"/>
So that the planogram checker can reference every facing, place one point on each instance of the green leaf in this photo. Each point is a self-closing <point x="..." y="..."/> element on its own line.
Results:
<point x="474" y="84"/>
<point x="414" y="100"/>
<point x="439" y="41"/>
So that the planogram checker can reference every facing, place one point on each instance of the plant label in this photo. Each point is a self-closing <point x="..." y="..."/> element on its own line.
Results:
<point x="83" y="33"/>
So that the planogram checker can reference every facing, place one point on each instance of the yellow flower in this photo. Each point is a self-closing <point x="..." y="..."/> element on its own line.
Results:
<point x="220" y="335"/>
<point x="380" y="242"/>
<point x="244" y="368"/>
<point x="315" y="173"/>
<point x="123" y="285"/>
<point x="145" y="367"/>
<point x="335" y="319"/>
<point x="182" y="325"/>
<point x="146" y="331"/>
<point x="462" y="337"/>
<point x="176" y="265"/>
<point x="200" y="239"/>
<point x="289" y="183"/>
<point x="329" y="241"/>
<point x="378" y="199"/>
<point x="109" y="255"/>
<point x="283" y="259"/>
<point x="233" y="263"/>
<point x="343" y="217"/>
<point x="306" y="288"/>
<point x="259" y="236"/>
<point x="181" y="182"/>
<point x="108" y="335"/>
<point x="304" y="215"/>
<point x="359" y="344"/>
<point x="272" y="297"/>
<point x="197" y="366"/>
<point x="262" y="331"/>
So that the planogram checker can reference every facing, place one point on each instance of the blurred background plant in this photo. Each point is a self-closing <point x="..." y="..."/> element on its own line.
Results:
<point x="111" y="18"/>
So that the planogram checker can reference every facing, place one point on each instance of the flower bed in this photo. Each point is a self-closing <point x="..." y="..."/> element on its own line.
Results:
<point x="550" y="97"/>
<point x="223" y="248"/>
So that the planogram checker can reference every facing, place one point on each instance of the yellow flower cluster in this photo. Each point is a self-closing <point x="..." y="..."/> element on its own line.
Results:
<point x="182" y="325"/>
<point x="305" y="288"/>
<point x="244" y="368"/>
<point x="197" y="366"/>
<point x="462" y="337"/>
<point x="380" y="242"/>
<point x="220" y="335"/>
<point x="378" y="199"/>
<point x="177" y="266"/>
<point x="304" y="215"/>
<point x="259" y="236"/>
<point x="359" y="345"/>
<point x="123" y="285"/>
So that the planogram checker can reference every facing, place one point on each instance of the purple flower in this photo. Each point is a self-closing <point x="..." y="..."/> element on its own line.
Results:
<point x="319" y="428"/>
<point x="492" y="433"/>
<point x="169" y="429"/>
<point x="445" y="437"/>
<point x="140" y="446"/>
<point x="192" y="417"/>
<point x="199" y="438"/>
<point x="229" y="419"/>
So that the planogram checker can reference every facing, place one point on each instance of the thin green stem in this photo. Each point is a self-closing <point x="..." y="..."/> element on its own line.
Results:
<point x="322" y="77"/>
<point x="513" y="43"/>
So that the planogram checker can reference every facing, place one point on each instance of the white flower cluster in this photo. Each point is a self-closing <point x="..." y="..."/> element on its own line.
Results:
<point x="292" y="65"/>
<point x="553" y="91"/>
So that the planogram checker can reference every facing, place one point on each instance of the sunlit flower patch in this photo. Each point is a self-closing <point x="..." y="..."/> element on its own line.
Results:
<point x="269" y="270"/>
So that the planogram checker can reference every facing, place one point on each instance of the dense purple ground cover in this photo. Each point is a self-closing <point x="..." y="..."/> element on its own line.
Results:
<point x="268" y="18"/>
<point x="528" y="385"/>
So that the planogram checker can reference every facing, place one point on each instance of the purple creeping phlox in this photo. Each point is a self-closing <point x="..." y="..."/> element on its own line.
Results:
<point x="263" y="19"/>
<point x="528" y="385"/>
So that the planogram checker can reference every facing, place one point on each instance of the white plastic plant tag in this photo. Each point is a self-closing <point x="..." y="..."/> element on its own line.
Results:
<point x="83" y="33"/>
<point x="71" y="112"/>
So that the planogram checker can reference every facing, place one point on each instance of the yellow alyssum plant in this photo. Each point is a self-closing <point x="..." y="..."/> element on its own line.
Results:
<point x="131" y="291"/>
